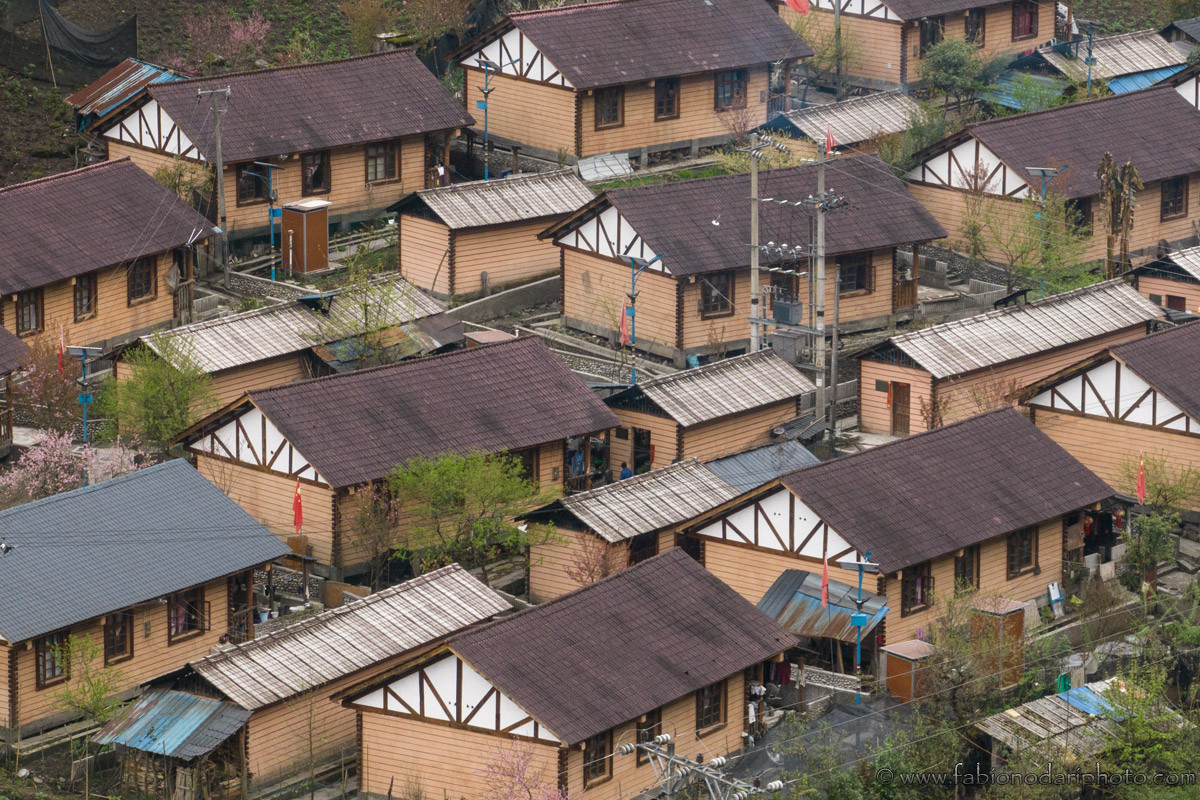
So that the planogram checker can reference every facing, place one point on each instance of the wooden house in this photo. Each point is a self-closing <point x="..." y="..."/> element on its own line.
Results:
<point x="12" y="357"/>
<point x="359" y="133"/>
<point x="890" y="38"/>
<point x="279" y="685"/>
<point x="151" y="596"/>
<point x="287" y="342"/>
<point x="713" y="410"/>
<point x="1157" y="129"/>
<point x="1183" y="31"/>
<point x="854" y="123"/>
<point x="106" y="97"/>
<point x="628" y="75"/>
<point x="1123" y="62"/>
<point x="474" y="238"/>
<point x="696" y="298"/>
<point x="1172" y="280"/>
<point x="919" y="380"/>
<point x="1134" y="398"/>
<point x="335" y="435"/>
<point x="101" y="253"/>
<point x="983" y="502"/>
<point x="660" y="648"/>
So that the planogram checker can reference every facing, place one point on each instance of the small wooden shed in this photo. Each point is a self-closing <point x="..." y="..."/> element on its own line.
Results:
<point x="906" y="679"/>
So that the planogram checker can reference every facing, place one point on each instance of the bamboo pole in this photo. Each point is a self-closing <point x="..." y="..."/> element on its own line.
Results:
<point x="46" y="41"/>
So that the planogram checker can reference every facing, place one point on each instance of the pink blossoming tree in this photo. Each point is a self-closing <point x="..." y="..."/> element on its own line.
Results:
<point x="512" y="774"/>
<point x="54" y="465"/>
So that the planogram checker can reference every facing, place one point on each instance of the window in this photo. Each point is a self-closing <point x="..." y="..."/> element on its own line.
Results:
<point x="527" y="460"/>
<point x="314" y="173"/>
<point x="1080" y="214"/>
<point x="1025" y="19"/>
<point x="1022" y="551"/>
<point x="856" y="273"/>
<point x="916" y="588"/>
<point x="85" y="296"/>
<point x="597" y="764"/>
<point x="53" y="660"/>
<point x="185" y="614"/>
<point x="143" y="279"/>
<point x="966" y="568"/>
<point x="118" y="637"/>
<point x="250" y="187"/>
<point x="710" y="706"/>
<point x="976" y="23"/>
<point x="383" y="159"/>
<point x="730" y="89"/>
<point x="666" y="99"/>
<point x="610" y="107"/>
<point x="932" y="30"/>
<point x="692" y="545"/>
<point x="642" y="546"/>
<point x="29" y="311"/>
<point x="716" y="294"/>
<point x="1174" y="198"/>
<point x="648" y="727"/>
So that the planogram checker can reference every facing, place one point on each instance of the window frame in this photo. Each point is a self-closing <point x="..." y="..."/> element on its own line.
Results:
<point x="390" y="148"/>
<point x="591" y="775"/>
<point x="693" y="545"/>
<point x="908" y="576"/>
<point x="26" y="299"/>
<point x="979" y="15"/>
<point x="261" y="192"/>
<point x="931" y="31"/>
<point x="641" y="553"/>
<point x="148" y="264"/>
<point x="970" y="557"/>
<point x="660" y="85"/>
<point x="1184" y="187"/>
<point x="1020" y="7"/>
<point x="864" y="270"/>
<point x="645" y="730"/>
<point x="1015" y="539"/>
<point x="173" y="602"/>
<point x="111" y="657"/>
<point x="703" y="699"/>
<point x="707" y="284"/>
<point x="308" y="187"/>
<point x="92" y="281"/>
<point x="42" y="651"/>
<point x="600" y="99"/>
<point x="734" y="79"/>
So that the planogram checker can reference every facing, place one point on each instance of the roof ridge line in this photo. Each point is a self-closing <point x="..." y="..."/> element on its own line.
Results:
<point x="636" y="480"/>
<point x="521" y="178"/>
<point x="571" y="7"/>
<point x="1150" y="336"/>
<point x="64" y="175"/>
<point x="708" y="368"/>
<point x="732" y="176"/>
<point x="284" y="67"/>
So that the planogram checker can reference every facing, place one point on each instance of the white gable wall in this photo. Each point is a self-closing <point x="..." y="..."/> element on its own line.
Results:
<point x="609" y="234"/>
<point x="517" y="56"/>
<point x="793" y="521"/>
<point x="151" y="127"/>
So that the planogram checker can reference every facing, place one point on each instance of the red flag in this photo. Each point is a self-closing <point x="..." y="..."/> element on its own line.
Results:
<point x="830" y="144"/>
<point x="799" y="6"/>
<point x="825" y="582"/>
<point x="624" y="325"/>
<point x="1141" y="480"/>
<point x="61" y="348"/>
<point x="297" y="508"/>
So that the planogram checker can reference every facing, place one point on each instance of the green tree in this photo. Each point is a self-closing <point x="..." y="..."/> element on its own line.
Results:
<point x="165" y="392"/>
<point x="822" y="67"/>
<point x="954" y="69"/>
<point x="91" y="689"/>
<point x="1173" y="486"/>
<point x="365" y="19"/>
<point x="1119" y="185"/>
<point x="926" y="126"/>
<point x="462" y="508"/>
<point x="1039" y="241"/>
<point x="185" y="179"/>
<point x="1148" y="543"/>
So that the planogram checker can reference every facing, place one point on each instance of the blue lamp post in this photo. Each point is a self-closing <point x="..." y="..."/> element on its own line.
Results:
<point x="271" y="212"/>
<point x="858" y="619"/>
<point x="636" y="266"/>
<point x="1047" y="174"/>
<point x="489" y="68"/>
<point x="85" y="397"/>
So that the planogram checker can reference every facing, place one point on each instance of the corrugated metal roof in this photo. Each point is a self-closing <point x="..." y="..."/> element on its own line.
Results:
<point x="1073" y="722"/>
<point x="521" y="197"/>
<point x="175" y="724"/>
<point x="649" y="502"/>
<point x="116" y="86"/>
<point x="1142" y="80"/>
<point x="752" y="468"/>
<point x="1123" y="54"/>
<point x="344" y="640"/>
<point x="726" y="387"/>
<point x="855" y="120"/>
<point x="794" y="601"/>
<point x="1009" y="86"/>
<point x="1188" y="260"/>
<point x="1007" y="334"/>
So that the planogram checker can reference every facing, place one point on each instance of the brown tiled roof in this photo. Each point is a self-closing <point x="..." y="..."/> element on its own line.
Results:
<point x="358" y="426"/>
<point x="314" y="106"/>
<point x="608" y="653"/>
<point x="1155" y="128"/>
<point x="12" y="351"/>
<point x="106" y="214"/>
<point x="676" y="219"/>
<point x="620" y="41"/>
<point x="915" y="9"/>
<point x="933" y="493"/>
<point x="1167" y="361"/>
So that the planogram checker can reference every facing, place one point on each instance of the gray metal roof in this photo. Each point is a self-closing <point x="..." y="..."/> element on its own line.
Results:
<point x="344" y="640"/>
<point x="535" y="195"/>
<point x="126" y="541"/>
<point x="1123" y="54"/>
<point x="857" y="119"/>
<point x="174" y="724"/>
<point x="1187" y="260"/>
<point x="726" y="387"/>
<point x="752" y="468"/>
<point x="1007" y="334"/>
<point x="794" y="601"/>
<point x="649" y="502"/>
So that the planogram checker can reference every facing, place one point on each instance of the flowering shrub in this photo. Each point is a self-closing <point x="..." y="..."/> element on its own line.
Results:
<point x="213" y="37"/>
<point x="54" y="465"/>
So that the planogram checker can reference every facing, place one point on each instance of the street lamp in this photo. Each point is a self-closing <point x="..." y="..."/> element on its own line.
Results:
<point x="85" y="397"/>
<point x="271" y="213"/>
<point x="859" y="619"/>
<point x="489" y="67"/>
<point x="1047" y="174"/>
<point x="636" y="267"/>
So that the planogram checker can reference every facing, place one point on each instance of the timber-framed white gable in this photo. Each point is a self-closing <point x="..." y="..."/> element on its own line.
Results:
<point x="779" y="521"/>
<point x="448" y="689"/>
<point x="251" y="438"/>
<point x="873" y="9"/>
<point x="1112" y="391"/>
<point x="1190" y="90"/>
<point x="518" y="57"/>
<point x="607" y="233"/>
<point x="151" y="127"/>
<point x="972" y="167"/>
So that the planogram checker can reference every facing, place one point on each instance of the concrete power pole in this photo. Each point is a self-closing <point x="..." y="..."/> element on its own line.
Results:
<point x="755" y="294"/>
<point x="819" y="311"/>
<point x="837" y="50"/>
<point x="222" y="235"/>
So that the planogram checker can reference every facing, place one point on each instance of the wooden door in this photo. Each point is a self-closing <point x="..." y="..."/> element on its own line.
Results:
<point x="1176" y="303"/>
<point x="642" y="451"/>
<point x="900" y="404"/>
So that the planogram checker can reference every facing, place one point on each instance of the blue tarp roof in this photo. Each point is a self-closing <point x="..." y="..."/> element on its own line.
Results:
<point x="175" y="724"/>
<point x="1141" y="80"/>
<point x="1003" y="91"/>
<point x="1089" y="702"/>
<point x="794" y="601"/>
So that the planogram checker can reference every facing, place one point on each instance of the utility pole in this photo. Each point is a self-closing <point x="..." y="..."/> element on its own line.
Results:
<point x="837" y="50"/>
<point x="833" y="356"/>
<point x="222" y="235"/>
<point x="755" y="294"/>
<point x="669" y="768"/>
<point x="823" y="202"/>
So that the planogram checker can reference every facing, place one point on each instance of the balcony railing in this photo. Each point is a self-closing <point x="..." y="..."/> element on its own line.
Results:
<point x="904" y="294"/>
